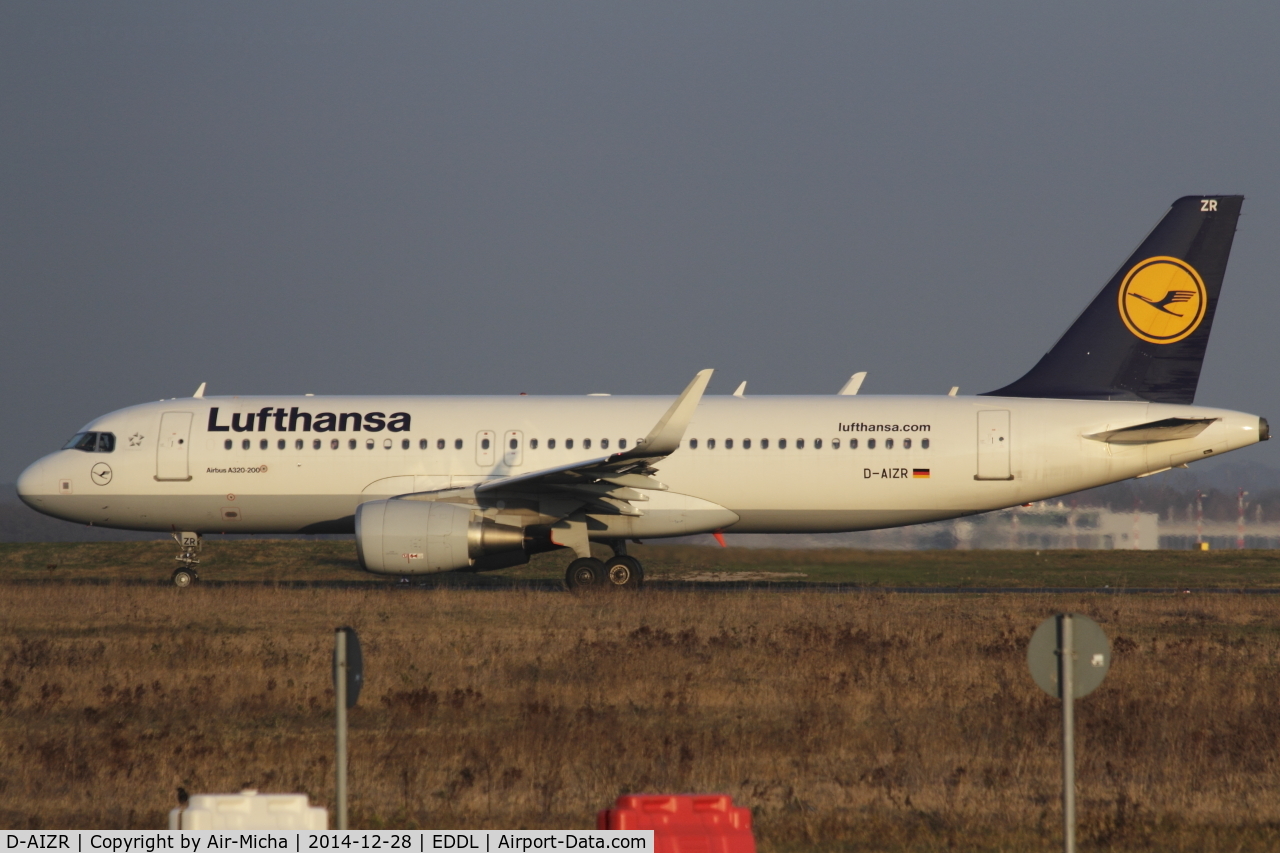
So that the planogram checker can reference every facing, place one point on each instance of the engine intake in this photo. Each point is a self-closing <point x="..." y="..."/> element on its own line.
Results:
<point x="401" y="537"/>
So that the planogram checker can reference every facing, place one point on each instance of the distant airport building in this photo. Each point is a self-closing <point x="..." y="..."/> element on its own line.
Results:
<point x="1056" y="526"/>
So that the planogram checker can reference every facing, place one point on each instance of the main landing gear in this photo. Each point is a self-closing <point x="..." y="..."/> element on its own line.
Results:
<point x="618" y="572"/>
<point x="186" y="574"/>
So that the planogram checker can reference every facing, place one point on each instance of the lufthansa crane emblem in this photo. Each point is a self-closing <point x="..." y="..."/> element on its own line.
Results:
<point x="1162" y="300"/>
<point x="100" y="474"/>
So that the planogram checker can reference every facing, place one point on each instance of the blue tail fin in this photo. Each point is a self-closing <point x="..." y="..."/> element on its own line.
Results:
<point x="1144" y="336"/>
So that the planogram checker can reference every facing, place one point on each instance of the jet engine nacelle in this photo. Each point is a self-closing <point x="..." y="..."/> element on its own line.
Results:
<point x="403" y="537"/>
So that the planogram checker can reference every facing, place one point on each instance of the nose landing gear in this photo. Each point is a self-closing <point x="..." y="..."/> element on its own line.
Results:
<point x="186" y="575"/>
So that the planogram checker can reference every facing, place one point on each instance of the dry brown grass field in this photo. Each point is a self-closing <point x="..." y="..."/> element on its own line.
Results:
<point x="862" y="721"/>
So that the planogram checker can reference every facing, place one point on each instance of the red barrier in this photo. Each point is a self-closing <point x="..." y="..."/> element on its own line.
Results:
<point x="684" y="823"/>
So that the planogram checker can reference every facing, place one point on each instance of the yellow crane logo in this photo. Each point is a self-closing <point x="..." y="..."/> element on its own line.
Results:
<point x="1162" y="300"/>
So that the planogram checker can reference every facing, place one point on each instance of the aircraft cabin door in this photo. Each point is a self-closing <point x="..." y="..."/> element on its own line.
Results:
<point x="173" y="447"/>
<point x="993" y="445"/>
<point x="513" y="448"/>
<point x="485" y="440"/>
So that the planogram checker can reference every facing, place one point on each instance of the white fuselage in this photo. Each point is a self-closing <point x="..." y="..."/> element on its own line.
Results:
<point x="264" y="468"/>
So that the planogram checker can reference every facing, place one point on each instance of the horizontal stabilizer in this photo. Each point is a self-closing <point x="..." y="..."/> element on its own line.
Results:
<point x="1169" y="429"/>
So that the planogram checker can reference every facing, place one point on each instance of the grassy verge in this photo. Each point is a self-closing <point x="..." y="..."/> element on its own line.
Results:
<point x="335" y="560"/>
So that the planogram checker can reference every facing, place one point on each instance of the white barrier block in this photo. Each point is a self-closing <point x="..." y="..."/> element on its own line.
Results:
<point x="249" y="810"/>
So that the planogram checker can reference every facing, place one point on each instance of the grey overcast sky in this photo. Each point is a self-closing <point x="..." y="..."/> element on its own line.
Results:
<point x="576" y="197"/>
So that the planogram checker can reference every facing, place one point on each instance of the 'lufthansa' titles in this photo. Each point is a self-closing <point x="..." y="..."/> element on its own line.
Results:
<point x="292" y="420"/>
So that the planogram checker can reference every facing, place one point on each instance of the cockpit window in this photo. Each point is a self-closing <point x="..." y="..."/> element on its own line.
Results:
<point x="92" y="442"/>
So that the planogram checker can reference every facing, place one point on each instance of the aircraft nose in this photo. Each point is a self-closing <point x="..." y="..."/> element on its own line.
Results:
<point x="33" y="483"/>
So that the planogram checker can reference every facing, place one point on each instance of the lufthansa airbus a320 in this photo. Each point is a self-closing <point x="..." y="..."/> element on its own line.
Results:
<point x="438" y="484"/>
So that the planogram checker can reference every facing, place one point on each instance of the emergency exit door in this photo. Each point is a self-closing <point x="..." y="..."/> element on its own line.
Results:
<point x="993" y="445"/>
<point x="173" y="447"/>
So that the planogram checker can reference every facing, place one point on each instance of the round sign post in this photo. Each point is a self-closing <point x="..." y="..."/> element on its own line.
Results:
<point x="1068" y="656"/>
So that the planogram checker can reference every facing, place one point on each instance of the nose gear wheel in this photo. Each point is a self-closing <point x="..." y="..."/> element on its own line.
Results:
<point x="190" y="543"/>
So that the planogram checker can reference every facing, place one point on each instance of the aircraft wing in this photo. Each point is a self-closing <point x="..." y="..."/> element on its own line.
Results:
<point x="607" y="484"/>
<point x="612" y="482"/>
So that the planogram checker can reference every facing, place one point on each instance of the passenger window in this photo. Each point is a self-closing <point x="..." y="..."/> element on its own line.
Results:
<point x="817" y="444"/>
<point x="888" y="444"/>
<point x="262" y="445"/>
<point x="906" y="444"/>
<point x="604" y="444"/>
<point x="764" y="444"/>
<point x="484" y="444"/>
<point x="333" y="445"/>
<point x="711" y="444"/>
<point x="586" y="444"/>
<point x="871" y="444"/>
<point x="226" y="445"/>
<point x="404" y="445"/>
<point x="853" y="444"/>
<point x="533" y="444"/>
<point x="351" y="444"/>
<point x="746" y="444"/>
<point x="622" y="444"/>
<point x="568" y="444"/>
<point x="439" y="444"/>
<point x="551" y="444"/>
<point x="799" y="444"/>
<point x="693" y="444"/>
<point x="422" y="444"/>
<point x="368" y="444"/>
<point x="728" y="444"/>
<point x="297" y="445"/>
<point x="315" y="444"/>
<point x="106" y="442"/>
<point x="782" y="444"/>
<point x="280" y="444"/>
<point x="457" y="444"/>
<point x="924" y="443"/>
<point x="386" y="443"/>
<point x="513" y="444"/>
<point x="244" y="445"/>
<point x="835" y="444"/>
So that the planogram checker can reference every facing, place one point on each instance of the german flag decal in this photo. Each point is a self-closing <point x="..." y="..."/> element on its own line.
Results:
<point x="920" y="473"/>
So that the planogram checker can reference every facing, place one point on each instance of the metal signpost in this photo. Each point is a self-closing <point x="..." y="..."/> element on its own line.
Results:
<point x="1068" y="656"/>
<point x="348" y="678"/>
